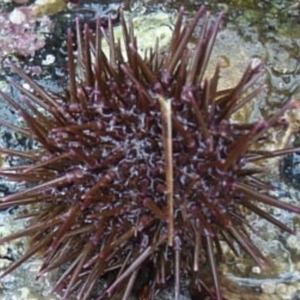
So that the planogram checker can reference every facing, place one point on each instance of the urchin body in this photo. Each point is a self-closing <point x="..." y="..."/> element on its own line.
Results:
<point x="139" y="164"/>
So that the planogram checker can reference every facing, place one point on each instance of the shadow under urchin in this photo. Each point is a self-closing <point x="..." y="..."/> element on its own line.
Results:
<point x="139" y="166"/>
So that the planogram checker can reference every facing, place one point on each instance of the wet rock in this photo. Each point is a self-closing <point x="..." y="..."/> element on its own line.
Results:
<point x="290" y="169"/>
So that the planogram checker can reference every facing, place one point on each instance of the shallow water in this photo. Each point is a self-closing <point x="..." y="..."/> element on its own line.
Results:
<point x="270" y="31"/>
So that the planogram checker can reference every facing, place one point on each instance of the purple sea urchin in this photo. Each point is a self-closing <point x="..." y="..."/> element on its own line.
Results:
<point x="139" y="165"/>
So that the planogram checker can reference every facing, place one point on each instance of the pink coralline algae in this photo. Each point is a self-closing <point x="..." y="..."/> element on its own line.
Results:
<point x="19" y="33"/>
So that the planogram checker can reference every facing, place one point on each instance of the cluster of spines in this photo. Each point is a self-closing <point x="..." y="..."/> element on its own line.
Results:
<point x="139" y="164"/>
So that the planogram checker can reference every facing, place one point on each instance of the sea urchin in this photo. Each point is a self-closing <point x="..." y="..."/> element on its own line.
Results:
<point x="139" y="165"/>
